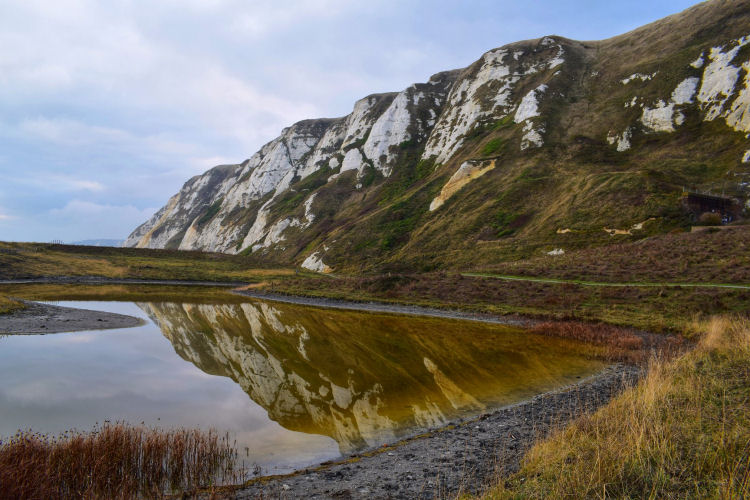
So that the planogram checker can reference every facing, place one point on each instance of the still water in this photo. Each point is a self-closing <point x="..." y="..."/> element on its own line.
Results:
<point x="294" y="385"/>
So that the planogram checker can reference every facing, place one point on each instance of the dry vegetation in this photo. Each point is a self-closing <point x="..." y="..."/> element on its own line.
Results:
<point x="619" y="344"/>
<point x="114" y="461"/>
<point x="31" y="260"/>
<point x="652" y="308"/>
<point x="682" y="432"/>
<point x="8" y="305"/>
<point x="708" y="256"/>
<point x="127" y="293"/>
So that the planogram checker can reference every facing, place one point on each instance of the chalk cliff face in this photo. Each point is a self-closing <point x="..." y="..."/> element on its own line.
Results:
<point x="580" y="135"/>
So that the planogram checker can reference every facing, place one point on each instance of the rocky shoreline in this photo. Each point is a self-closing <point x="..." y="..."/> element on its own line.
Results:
<point x="388" y="308"/>
<point x="464" y="457"/>
<point x="39" y="319"/>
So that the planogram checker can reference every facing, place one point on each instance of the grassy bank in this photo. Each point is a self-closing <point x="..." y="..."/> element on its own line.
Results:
<point x="126" y="293"/>
<point x="652" y="308"/>
<point x="114" y="461"/>
<point x="32" y="260"/>
<point x="8" y="305"/>
<point x="683" y="432"/>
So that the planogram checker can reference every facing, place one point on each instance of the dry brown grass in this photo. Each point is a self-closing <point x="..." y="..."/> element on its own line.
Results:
<point x="8" y="305"/>
<point x="683" y="432"/>
<point x="114" y="461"/>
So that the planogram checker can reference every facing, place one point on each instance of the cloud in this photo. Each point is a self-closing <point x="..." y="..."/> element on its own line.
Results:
<point x="95" y="220"/>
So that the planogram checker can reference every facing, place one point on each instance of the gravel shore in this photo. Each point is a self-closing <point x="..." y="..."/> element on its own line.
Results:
<point x="384" y="307"/>
<point x="464" y="457"/>
<point x="38" y="318"/>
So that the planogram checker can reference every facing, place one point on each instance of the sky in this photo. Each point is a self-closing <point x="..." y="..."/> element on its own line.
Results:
<point x="108" y="107"/>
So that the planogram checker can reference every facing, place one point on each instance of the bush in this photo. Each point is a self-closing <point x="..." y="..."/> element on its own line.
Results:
<point x="710" y="219"/>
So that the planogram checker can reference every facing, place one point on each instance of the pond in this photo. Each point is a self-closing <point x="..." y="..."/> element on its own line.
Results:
<point x="294" y="385"/>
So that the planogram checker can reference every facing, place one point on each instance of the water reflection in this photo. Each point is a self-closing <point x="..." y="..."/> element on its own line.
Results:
<point x="364" y="379"/>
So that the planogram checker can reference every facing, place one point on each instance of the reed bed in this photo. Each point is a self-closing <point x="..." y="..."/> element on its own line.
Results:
<point x="615" y="343"/>
<point x="115" y="460"/>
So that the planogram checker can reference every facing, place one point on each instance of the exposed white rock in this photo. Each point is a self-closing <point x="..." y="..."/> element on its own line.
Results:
<point x="556" y="252"/>
<point x="719" y="79"/>
<point x="333" y="163"/>
<point x="558" y="59"/>
<point x="275" y="232"/>
<point x="531" y="136"/>
<point x="623" y="140"/>
<point x="659" y="118"/>
<point x="464" y="107"/>
<point x="547" y="41"/>
<point x="309" y="215"/>
<point x="357" y="124"/>
<point x="632" y="103"/>
<point x="685" y="90"/>
<point x="698" y="63"/>
<point x="746" y="157"/>
<point x="315" y="263"/>
<point x="644" y="77"/>
<point x="529" y="106"/>
<point x="258" y="229"/>
<point x="738" y="114"/>
<point x="389" y="130"/>
<point x="353" y="161"/>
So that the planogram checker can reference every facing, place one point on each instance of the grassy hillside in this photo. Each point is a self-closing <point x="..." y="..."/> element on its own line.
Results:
<point x="571" y="192"/>
<point x="683" y="432"/>
<point x="34" y="260"/>
<point x="707" y="256"/>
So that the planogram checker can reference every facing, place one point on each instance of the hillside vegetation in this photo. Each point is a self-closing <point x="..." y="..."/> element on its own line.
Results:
<point x="37" y="260"/>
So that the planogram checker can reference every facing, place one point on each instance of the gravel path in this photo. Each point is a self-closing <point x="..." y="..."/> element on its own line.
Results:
<point x="466" y="457"/>
<point x="40" y="318"/>
<point x="385" y="307"/>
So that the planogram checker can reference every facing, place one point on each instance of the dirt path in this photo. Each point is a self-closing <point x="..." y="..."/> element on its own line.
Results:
<point x="38" y="318"/>
<point x="604" y="283"/>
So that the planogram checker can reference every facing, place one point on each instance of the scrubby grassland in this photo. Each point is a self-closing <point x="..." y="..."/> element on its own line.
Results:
<point x="128" y="293"/>
<point x="712" y="256"/>
<point x="32" y="260"/>
<point x="689" y="258"/>
<point x="653" y="308"/>
<point x="9" y="305"/>
<point x="682" y="432"/>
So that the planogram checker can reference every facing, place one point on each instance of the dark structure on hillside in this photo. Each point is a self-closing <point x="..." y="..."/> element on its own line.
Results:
<point x="699" y="203"/>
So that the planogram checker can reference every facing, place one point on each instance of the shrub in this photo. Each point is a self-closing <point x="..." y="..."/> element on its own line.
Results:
<point x="710" y="219"/>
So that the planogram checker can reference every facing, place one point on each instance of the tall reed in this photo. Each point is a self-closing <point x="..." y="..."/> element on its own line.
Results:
<point x="115" y="460"/>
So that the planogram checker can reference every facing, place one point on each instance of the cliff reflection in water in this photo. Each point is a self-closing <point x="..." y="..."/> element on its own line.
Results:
<point x="364" y="379"/>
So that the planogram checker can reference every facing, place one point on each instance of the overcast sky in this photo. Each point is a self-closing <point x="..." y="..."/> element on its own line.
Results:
<point x="108" y="107"/>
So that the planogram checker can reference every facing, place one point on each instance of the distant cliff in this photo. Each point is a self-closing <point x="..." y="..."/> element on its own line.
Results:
<point x="541" y="144"/>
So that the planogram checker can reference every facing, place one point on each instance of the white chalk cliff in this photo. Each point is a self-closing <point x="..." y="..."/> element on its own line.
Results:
<point x="321" y="175"/>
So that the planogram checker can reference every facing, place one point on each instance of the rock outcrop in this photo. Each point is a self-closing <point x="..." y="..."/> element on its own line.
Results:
<point x="552" y="115"/>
